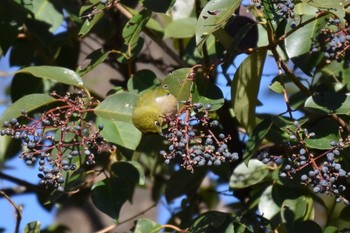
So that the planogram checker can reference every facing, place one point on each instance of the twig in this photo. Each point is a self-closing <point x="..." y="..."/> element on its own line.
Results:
<point x="26" y="184"/>
<point x="18" y="211"/>
<point x="106" y="229"/>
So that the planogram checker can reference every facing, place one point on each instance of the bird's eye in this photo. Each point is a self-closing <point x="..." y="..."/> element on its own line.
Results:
<point x="156" y="123"/>
<point x="165" y="86"/>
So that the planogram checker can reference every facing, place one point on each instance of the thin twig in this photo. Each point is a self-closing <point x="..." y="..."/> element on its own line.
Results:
<point x="106" y="229"/>
<point x="17" y="208"/>
<point x="26" y="184"/>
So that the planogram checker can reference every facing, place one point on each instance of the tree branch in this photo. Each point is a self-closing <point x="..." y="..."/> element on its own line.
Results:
<point x="17" y="208"/>
<point x="23" y="183"/>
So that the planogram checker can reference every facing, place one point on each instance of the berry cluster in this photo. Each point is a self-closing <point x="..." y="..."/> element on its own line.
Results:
<point x="334" y="43"/>
<point x="60" y="139"/>
<point x="194" y="140"/>
<point x="323" y="172"/>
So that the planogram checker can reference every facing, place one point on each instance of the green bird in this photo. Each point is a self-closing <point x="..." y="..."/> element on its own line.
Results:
<point x="151" y="108"/>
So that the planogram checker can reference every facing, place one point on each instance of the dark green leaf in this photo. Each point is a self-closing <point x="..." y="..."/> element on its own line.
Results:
<point x="336" y="7"/>
<point x="245" y="88"/>
<point x="92" y="15"/>
<point x="131" y="171"/>
<point x="179" y="84"/>
<point x="109" y="195"/>
<point x="328" y="102"/>
<point x="96" y="58"/>
<point x="158" y="5"/>
<point x="48" y="12"/>
<point x="59" y="74"/>
<point x="326" y="130"/>
<point x="267" y="205"/>
<point x="142" y="80"/>
<point x="213" y="16"/>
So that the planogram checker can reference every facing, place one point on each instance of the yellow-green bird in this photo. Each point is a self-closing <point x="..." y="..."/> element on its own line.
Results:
<point x="151" y="108"/>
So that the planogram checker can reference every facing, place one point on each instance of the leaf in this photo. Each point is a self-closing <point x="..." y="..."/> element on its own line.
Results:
<point x="179" y="84"/>
<point x="55" y="73"/>
<point x="131" y="171"/>
<point x="142" y="80"/>
<point x="183" y="182"/>
<point x="32" y="227"/>
<point x="110" y="194"/>
<point x="206" y="92"/>
<point x="331" y="229"/>
<point x="276" y="87"/>
<point x="96" y="58"/>
<point x="247" y="175"/>
<point x="326" y="130"/>
<point x="117" y="107"/>
<point x="267" y="206"/>
<point x="145" y="225"/>
<point x="133" y="28"/>
<point x="181" y="28"/>
<point x="245" y="88"/>
<point x="48" y="12"/>
<point x="258" y="135"/>
<point x="328" y="103"/>
<point x="213" y="16"/>
<point x="297" y="209"/>
<point x="27" y="103"/>
<point x="215" y="221"/>
<point x="120" y="133"/>
<point x="92" y="15"/>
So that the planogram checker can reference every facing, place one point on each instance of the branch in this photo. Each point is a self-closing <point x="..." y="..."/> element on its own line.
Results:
<point x="26" y="184"/>
<point x="17" y="208"/>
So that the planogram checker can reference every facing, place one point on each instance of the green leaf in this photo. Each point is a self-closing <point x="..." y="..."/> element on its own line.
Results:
<point x="145" y="225"/>
<point x="258" y="135"/>
<point x="336" y="7"/>
<point x="46" y="11"/>
<point x="245" y="88"/>
<point x="59" y="74"/>
<point x="247" y="175"/>
<point x="133" y="28"/>
<point x="96" y="57"/>
<point x="109" y="195"/>
<point x="276" y="87"/>
<point x="183" y="182"/>
<point x="121" y="133"/>
<point x="328" y="102"/>
<point x="267" y="206"/>
<point x="92" y="15"/>
<point x="214" y="221"/>
<point x="297" y="209"/>
<point x="331" y="229"/>
<point x="27" y="103"/>
<point x="179" y="84"/>
<point x="213" y="16"/>
<point x="32" y="227"/>
<point x="131" y="171"/>
<point x="142" y="80"/>
<point x="117" y="107"/>
<point x="181" y="28"/>
<point x="326" y="130"/>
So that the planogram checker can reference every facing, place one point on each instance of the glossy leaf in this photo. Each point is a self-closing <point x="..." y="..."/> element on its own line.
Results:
<point x="326" y="130"/>
<point x="247" y="175"/>
<point x="213" y="16"/>
<point x="131" y="171"/>
<point x="54" y="73"/>
<point x="336" y="7"/>
<point x="181" y="28"/>
<point x="258" y="135"/>
<point x="297" y="209"/>
<point x="158" y="5"/>
<point x="96" y="58"/>
<point x="142" y="80"/>
<point x="117" y="107"/>
<point x="267" y="206"/>
<point x="276" y="87"/>
<point x="109" y="195"/>
<point x="121" y="133"/>
<point x="27" y="103"/>
<point x="145" y="225"/>
<point x="32" y="227"/>
<point x="245" y="88"/>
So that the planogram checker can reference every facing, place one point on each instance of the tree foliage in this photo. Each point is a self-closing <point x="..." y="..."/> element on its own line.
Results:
<point x="280" y="166"/>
